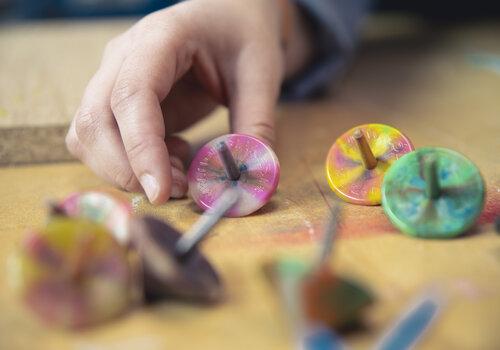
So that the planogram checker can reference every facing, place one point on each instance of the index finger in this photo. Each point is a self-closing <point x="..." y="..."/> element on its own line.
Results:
<point x="144" y="80"/>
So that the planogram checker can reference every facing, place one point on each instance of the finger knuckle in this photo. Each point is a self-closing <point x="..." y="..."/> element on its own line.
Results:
<point x="112" y="45"/>
<point x="162" y="25"/>
<point x="87" y="125"/>
<point x="141" y="145"/>
<point x="126" y="179"/>
<point x="123" y="92"/>
<point x="138" y="147"/>
<point x="146" y="26"/>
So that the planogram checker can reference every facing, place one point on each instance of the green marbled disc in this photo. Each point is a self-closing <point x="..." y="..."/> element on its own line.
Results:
<point x="455" y="210"/>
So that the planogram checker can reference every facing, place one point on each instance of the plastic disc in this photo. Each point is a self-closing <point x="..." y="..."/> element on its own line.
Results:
<point x="345" y="171"/>
<point x="255" y="160"/>
<point x="102" y="208"/>
<point x="74" y="274"/>
<point x="190" y="277"/>
<point x="453" y="212"/>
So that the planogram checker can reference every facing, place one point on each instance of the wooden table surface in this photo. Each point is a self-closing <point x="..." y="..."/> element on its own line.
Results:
<point x="427" y="82"/>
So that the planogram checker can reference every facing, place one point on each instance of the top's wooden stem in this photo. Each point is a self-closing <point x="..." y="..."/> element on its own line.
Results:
<point x="432" y="189"/>
<point x="205" y="223"/>
<point x="369" y="159"/>
<point x="232" y="171"/>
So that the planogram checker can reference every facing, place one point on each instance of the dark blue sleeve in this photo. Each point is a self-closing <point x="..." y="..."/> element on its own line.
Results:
<point x="336" y="25"/>
<point x="26" y="9"/>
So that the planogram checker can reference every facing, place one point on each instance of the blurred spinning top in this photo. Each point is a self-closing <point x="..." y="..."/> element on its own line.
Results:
<point x="172" y="265"/>
<point x="335" y="301"/>
<point x="234" y="161"/>
<point x="330" y="299"/>
<point x="314" y="295"/>
<point x="433" y="193"/>
<point x="100" y="207"/>
<point x="358" y="160"/>
<point x="74" y="274"/>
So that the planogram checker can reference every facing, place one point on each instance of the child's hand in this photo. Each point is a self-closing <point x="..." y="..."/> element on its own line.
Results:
<point x="169" y="70"/>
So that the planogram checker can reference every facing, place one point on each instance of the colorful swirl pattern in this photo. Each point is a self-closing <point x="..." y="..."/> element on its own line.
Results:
<point x="101" y="208"/>
<point x="452" y="213"/>
<point x="345" y="171"/>
<point x="259" y="178"/>
<point x="74" y="274"/>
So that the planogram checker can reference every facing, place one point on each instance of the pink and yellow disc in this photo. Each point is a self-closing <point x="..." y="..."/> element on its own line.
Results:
<point x="358" y="160"/>
<point x="256" y="162"/>
<point x="103" y="208"/>
<point x="74" y="274"/>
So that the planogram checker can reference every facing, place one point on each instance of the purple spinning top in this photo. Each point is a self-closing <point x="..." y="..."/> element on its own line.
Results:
<point x="239" y="161"/>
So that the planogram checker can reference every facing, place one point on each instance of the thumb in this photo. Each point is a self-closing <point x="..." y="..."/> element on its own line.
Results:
<point x="257" y="79"/>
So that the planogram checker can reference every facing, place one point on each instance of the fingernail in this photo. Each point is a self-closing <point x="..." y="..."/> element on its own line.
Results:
<point x="150" y="186"/>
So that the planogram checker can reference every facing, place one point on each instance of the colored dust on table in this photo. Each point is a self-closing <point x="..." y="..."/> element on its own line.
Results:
<point x="355" y="224"/>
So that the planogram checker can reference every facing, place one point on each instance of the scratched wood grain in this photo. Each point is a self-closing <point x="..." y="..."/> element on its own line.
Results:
<point x="423" y="84"/>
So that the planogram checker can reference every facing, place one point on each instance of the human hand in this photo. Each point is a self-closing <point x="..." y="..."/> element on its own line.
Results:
<point x="171" y="69"/>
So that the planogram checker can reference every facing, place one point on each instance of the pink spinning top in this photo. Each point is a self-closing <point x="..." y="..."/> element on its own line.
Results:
<point x="239" y="161"/>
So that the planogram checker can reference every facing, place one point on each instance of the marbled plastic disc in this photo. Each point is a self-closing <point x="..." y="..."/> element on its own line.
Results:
<point x="406" y="204"/>
<point x="259" y="178"/>
<point x="74" y="274"/>
<point x="102" y="208"/>
<point x="345" y="171"/>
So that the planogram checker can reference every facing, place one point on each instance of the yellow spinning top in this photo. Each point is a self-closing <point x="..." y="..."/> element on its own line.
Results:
<point x="358" y="160"/>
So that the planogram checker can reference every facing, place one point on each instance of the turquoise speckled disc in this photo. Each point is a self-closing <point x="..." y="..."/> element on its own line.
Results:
<point x="460" y="200"/>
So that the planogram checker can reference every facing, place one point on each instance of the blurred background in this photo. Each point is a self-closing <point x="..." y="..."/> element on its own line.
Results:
<point x="36" y="9"/>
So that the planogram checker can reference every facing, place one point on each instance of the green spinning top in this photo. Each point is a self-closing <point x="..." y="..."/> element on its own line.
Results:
<point x="433" y="193"/>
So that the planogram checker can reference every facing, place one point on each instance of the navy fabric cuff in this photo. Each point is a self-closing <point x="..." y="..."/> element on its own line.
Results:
<point x="336" y="25"/>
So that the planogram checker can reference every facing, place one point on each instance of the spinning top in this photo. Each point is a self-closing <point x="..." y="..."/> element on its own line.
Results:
<point x="172" y="264"/>
<point x="433" y="193"/>
<point x="286" y="275"/>
<point x="332" y="300"/>
<point x="329" y="299"/>
<point x="74" y="274"/>
<point x="234" y="161"/>
<point x="358" y="160"/>
<point x="98" y="207"/>
<point x="314" y="294"/>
